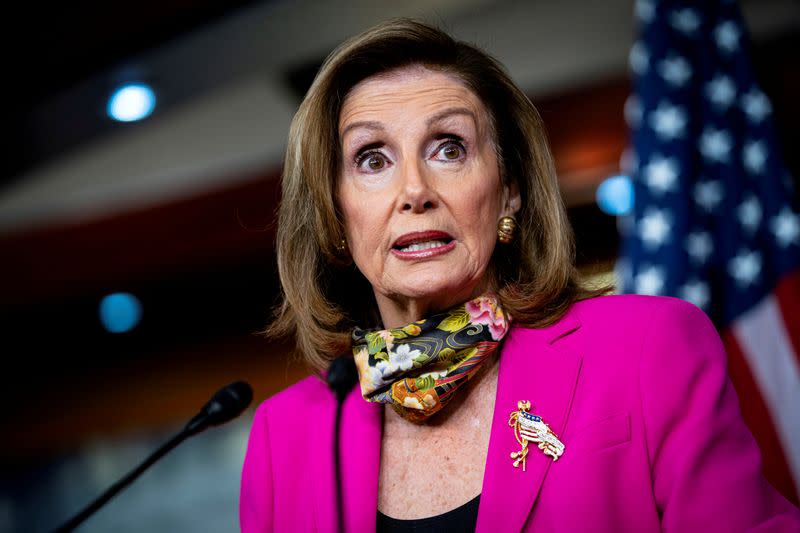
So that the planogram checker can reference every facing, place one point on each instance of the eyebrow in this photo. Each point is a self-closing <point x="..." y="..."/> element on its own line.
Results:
<point x="438" y="117"/>
<point x="368" y="124"/>
<point x="447" y="113"/>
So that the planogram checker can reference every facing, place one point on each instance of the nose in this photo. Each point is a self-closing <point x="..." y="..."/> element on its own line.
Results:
<point x="417" y="194"/>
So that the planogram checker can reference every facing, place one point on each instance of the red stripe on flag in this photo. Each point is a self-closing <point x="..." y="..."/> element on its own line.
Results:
<point x="759" y="420"/>
<point x="787" y="293"/>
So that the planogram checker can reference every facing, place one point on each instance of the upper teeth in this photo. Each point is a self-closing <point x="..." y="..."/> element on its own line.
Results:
<point x="418" y="246"/>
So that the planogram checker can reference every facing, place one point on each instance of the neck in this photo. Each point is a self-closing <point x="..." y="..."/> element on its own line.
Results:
<point x="397" y="311"/>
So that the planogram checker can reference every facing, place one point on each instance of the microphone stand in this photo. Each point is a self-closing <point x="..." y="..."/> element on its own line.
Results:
<point x="342" y="376"/>
<point x="226" y="404"/>
<point x="101" y="500"/>
<point x="338" y="465"/>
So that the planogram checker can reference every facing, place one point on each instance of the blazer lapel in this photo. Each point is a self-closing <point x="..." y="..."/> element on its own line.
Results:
<point x="531" y="368"/>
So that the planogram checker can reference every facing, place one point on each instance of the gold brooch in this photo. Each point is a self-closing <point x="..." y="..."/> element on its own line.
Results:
<point x="529" y="427"/>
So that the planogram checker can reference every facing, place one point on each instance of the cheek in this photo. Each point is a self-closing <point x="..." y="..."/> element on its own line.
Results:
<point x="484" y="212"/>
<point x="363" y="223"/>
<point x="482" y="206"/>
<point x="351" y="204"/>
<point x="487" y="235"/>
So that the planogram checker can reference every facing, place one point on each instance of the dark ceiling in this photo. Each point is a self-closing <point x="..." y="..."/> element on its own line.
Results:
<point x="57" y="45"/>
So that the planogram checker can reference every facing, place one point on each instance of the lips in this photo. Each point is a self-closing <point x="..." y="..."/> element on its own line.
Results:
<point x="419" y="237"/>
<point x="423" y="244"/>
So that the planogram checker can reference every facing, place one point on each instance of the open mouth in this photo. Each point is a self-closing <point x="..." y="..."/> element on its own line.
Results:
<point x="423" y="243"/>
<point x="420" y="246"/>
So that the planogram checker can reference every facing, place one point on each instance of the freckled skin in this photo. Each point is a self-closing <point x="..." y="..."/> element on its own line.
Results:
<point x="416" y="185"/>
<point x="399" y="175"/>
<point x="429" y="469"/>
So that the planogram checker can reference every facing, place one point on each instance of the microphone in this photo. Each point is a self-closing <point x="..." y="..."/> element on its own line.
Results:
<point x="225" y="405"/>
<point x="342" y="377"/>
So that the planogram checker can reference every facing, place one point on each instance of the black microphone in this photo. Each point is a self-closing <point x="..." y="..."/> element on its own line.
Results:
<point x="225" y="405"/>
<point x="342" y="377"/>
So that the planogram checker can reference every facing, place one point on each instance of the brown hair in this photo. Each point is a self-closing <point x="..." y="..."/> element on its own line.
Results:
<point x="323" y="295"/>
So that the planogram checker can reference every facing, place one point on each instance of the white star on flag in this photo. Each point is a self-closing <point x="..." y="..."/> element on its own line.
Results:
<point x="708" y="194"/>
<point x="685" y="20"/>
<point x="668" y="121"/>
<point x="697" y="292"/>
<point x="721" y="91"/>
<point x="661" y="174"/>
<point x="749" y="212"/>
<point x="754" y="156"/>
<point x="645" y="9"/>
<point x="715" y="145"/>
<point x="675" y="70"/>
<point x="650" y="280"/>
<point x="699" y="246"/>
<point x="786" y="227"/>
<point x="727" y="35"/>
<point x="654" y="228"/>
<point x="756" y="105"/>
<point x="745" y="267"/>
<point x="638" y="58"/>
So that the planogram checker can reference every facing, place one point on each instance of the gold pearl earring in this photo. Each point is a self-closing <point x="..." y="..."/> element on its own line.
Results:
<point x="506" y="228"/>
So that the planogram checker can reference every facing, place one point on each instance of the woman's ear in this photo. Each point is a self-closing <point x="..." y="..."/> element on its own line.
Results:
<point x="513" y="199"/>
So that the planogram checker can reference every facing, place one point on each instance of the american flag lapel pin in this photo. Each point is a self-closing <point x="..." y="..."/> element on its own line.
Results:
<point x="529" y="427"/>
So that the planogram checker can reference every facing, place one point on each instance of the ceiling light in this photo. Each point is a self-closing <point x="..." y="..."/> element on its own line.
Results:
<point x="120" y="312"/>
<point x="131" y="102"/>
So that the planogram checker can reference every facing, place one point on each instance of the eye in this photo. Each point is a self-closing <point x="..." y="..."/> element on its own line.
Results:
<point x="451" y="150"/>
<point x="372" y="161"/>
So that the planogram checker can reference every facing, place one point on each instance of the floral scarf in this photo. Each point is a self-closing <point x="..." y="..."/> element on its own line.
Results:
<point x="418" y="367"/>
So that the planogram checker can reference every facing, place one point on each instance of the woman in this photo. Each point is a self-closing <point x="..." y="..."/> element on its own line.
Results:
<point x="421" y="229"/>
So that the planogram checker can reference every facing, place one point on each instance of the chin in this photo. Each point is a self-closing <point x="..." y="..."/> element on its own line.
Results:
<point x="439" y="288"/>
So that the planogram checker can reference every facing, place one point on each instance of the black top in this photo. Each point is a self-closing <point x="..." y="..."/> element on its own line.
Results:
<point x="459" y="520"/>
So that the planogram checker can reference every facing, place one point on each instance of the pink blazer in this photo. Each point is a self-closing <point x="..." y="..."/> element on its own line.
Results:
<point x="635" y="387"/>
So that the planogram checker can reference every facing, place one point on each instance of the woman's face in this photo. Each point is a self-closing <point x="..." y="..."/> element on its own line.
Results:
<point x="420" y="190"/>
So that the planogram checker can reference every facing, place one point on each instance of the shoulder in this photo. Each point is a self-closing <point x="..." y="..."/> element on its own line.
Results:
<point x="621" y="323"/>
<point x="645" y="318"/>
<point x="664" y="344"/>
<point x="276" y="449"/>
<point x="617" y="336"/>
<point x="636" y="308"/>
<point x="308" y="393"/>
<point x="281" y="423"/>
<point x="308" y="389"/>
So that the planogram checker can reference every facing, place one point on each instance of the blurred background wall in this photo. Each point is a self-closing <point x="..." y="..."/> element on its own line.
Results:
<point x="175" y="212"/>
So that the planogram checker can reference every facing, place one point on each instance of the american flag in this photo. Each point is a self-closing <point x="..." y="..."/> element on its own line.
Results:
<point x="713" y="221"/>
<point x="527" y="426"/>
